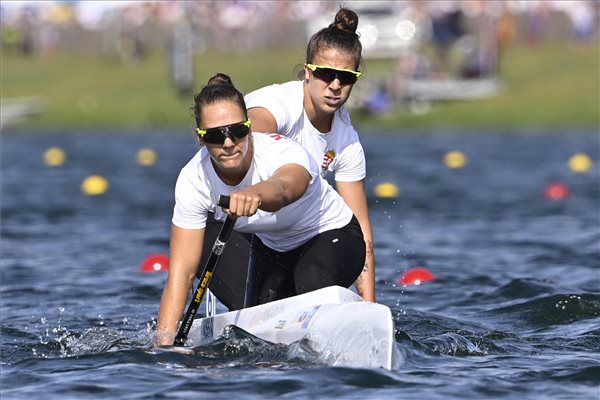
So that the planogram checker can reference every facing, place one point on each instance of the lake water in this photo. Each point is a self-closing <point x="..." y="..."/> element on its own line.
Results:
<point x="514" y="311"/>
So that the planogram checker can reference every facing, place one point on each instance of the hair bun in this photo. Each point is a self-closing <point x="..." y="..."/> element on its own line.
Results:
<point x="345" y="20"/>
<point x="220" y="79"/>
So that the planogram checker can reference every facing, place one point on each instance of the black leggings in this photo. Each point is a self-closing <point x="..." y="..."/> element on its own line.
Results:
<point x="334" y="257"/>
<point x="322" y="261"/>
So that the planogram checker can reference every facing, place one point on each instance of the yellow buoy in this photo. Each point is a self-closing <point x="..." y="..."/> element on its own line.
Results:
<point x="580" y="162"/>
<point x="387" y="190"/>
<point x="455" y="159"/>
<point x="54" y="157"/>
<point x="94" y="185"/>
<point x="146" y="157"/>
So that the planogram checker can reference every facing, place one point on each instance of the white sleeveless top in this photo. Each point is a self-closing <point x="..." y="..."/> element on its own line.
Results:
<point x="320" y="209"/>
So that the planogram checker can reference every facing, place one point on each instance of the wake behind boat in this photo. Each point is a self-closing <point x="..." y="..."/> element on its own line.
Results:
<point x="335" y="322"/>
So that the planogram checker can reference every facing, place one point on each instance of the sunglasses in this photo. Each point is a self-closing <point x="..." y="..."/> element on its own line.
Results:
<point x="218" y="135"/>
<point x="328" y="74"/>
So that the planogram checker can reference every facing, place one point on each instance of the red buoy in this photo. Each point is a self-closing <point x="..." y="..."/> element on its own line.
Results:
<point x="416" y="276"/>
<point x="557" y="191"/>
<point x="154" y="263"/>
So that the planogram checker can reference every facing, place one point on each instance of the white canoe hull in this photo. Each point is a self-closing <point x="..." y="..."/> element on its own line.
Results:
<point x="342" y="328"/>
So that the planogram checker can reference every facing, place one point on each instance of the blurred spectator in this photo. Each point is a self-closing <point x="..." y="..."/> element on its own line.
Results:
<point x="26" y="42"/>
<point x="181" y="56"/>
<point x="581" y="14"/>
<point x="506" y="27"/>
<point x="379" y="102"/>
<point x="447" y="22"/>
<point x="538" y="19"/>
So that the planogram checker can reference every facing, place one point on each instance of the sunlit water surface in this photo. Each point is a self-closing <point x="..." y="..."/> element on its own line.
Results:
<point x="514" y="311"/>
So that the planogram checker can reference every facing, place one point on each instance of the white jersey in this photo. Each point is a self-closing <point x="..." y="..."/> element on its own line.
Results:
<point x="320" y="209"/>
<point x="338" y="151"/>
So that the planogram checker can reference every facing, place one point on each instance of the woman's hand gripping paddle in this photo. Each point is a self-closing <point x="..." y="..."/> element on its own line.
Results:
<point x="207" y="273"/>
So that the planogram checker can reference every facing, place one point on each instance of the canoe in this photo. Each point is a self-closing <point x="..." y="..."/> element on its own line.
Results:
<point x="335" y="322"/>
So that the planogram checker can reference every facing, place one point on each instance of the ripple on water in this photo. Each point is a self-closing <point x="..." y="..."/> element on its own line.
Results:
<point x="547" y="311"/>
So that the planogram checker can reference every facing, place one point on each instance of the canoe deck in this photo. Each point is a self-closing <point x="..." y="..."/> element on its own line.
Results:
<point x="335" y="322"/>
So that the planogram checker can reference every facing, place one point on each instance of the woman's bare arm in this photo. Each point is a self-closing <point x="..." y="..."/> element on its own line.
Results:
<point x="285" y="186"/>
<point x="354" y="195"/>
<point x="262" y="120"/>
<point x="185" y="254"/>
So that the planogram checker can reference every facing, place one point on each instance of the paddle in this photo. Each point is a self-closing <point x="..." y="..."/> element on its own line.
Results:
<point x="207" y="273"/>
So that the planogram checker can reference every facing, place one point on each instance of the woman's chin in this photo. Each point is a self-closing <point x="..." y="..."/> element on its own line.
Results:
<point x="328" y="107"/>
<point x="230" y="162"/>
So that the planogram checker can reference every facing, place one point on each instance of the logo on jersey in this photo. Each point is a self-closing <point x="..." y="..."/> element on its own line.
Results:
<point x="275" y="136"/>
<point x="328" y="159"/>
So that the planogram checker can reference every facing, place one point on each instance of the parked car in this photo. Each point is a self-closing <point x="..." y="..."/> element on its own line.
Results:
<point x="385" y="28"/>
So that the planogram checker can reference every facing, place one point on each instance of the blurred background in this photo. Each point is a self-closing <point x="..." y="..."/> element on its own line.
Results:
<point x="427" y="63"/>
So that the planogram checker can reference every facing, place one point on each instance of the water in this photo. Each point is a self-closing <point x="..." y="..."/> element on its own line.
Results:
<point x="514" y="311"/>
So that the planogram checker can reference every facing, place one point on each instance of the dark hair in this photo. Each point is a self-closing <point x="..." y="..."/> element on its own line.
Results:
<point x="341" y="34"/>
<point x="218" y="88"/>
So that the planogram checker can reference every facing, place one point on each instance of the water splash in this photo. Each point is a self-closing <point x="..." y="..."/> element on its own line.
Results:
<point x="239" y="347"/>
<point x="452" y="344"/>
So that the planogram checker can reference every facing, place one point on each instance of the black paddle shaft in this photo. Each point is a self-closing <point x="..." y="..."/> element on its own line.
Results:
<point x="207" y="272"/>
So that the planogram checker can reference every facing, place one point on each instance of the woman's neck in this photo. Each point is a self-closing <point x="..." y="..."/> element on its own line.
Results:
<point x="230" y="178"/>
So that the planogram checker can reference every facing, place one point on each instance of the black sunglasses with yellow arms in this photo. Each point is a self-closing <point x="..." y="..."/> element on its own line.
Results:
<point x="218" y="134"/>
